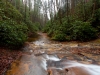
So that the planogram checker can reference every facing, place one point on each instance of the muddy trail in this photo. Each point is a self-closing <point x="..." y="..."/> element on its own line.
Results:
<point x="46" y="57"/>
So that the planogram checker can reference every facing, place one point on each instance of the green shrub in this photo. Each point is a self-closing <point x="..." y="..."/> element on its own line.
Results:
<point x="47" y="27"/>
<point x="59" y="36"/>
<point x="7" y="11"/>
<point x="50" y="32"/>
<point x="82" y="31"/>
<point x="31" y="26"/>
<point x="96" y="20"/>
<point x="12" y="34"/>
<point x="66" y="28"/>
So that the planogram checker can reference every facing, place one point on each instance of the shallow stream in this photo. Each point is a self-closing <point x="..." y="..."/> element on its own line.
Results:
<point x="46" y="57"/>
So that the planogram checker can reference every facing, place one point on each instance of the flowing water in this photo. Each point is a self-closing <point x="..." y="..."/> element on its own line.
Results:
<point x="46" y="57"/>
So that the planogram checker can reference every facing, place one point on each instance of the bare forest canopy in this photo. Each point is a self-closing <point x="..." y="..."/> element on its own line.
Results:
<point x="61" y="19"/>
<point x="43" y="10"/>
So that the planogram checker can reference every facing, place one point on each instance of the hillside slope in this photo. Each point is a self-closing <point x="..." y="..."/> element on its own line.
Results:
<point x="13" y="30"/>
